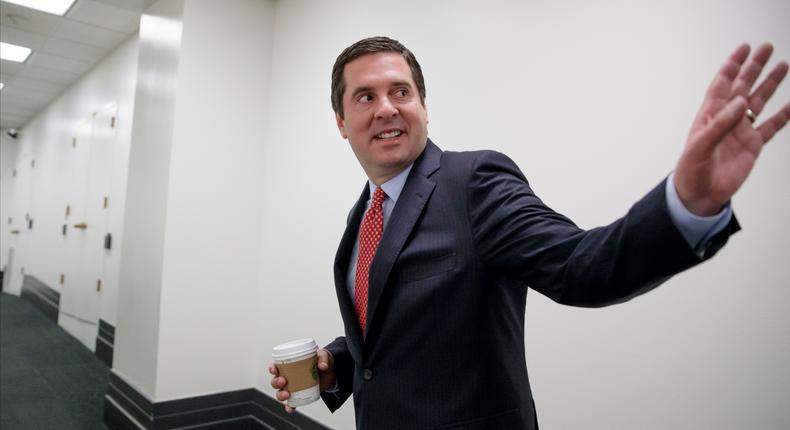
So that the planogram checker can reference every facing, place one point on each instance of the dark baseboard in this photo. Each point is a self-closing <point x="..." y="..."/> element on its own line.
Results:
<point x="125" y="408"/>
<point x="271" y="412"/>
<point x="105" y="342"/>
<point x="46" y="299"/>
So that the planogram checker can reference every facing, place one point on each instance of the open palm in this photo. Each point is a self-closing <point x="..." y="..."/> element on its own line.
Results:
<point x="723" y="144"/>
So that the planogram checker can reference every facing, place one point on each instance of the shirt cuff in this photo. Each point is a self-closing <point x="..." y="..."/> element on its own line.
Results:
<point x="697" y="230"/>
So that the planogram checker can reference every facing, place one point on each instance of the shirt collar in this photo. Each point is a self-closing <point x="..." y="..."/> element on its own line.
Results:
<point x="394" y="186"/>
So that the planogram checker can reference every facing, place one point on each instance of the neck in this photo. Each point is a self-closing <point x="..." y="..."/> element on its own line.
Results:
<point x="383" y="178"/>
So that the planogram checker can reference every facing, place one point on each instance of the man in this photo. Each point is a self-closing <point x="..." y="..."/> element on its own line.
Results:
<point x="433" y="268"/>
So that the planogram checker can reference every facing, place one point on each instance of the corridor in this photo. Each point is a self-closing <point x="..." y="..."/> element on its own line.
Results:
<point x="48" y="379"/>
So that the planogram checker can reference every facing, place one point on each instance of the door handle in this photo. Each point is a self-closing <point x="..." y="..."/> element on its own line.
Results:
<point x="81" y="226"/>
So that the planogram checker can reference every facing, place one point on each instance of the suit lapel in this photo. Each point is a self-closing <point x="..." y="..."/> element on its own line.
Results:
<point x="342" y="260"/>
<point x="411" y="203"/>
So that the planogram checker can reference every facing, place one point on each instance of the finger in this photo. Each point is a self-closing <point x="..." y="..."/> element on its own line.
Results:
<point x="721" y="86"/>
<point x="705" y="141"/>
<point x="273" y="370"/>
<point x="772" y="125"/>
<point x="751" y="70"/>
<point x="764" y="92"/>
<point x="278" y="382"/>
<point x="283" y="395"/>
<point x="324" y="359"/>
<point x="290" y="409"/>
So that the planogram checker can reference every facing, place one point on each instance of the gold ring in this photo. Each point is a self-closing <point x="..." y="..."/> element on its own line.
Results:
<point x="750" y="114"/>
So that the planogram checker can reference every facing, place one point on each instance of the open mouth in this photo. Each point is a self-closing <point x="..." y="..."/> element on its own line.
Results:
<point x="389" y="134"/>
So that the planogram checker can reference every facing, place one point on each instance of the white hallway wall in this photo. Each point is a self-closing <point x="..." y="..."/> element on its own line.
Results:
<point x="212" y="239"/>
<point x="593" y="100"/>
<point x="7" y="163"/>
<point x="136" y="337"/>
<point x="187" y="319"/>
<point x="212" y="242"/>
<point x="47" y="140"/>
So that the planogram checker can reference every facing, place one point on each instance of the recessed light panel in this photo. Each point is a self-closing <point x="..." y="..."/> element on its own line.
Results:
<point x="55" y="7"/>
<point x="14" y="53"/>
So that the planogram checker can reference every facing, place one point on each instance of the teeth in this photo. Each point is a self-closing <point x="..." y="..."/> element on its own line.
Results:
<point x="389" y="134"/>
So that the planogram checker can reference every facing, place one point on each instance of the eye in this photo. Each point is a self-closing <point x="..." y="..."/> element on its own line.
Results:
<point x="402" y="92"/>
<point x="365" y="98"/>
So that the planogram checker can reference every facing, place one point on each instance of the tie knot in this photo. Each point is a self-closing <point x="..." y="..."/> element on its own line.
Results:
<point x="378" y="197"/>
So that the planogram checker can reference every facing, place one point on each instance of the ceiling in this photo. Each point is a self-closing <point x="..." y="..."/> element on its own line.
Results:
<point x="64" y="49"/>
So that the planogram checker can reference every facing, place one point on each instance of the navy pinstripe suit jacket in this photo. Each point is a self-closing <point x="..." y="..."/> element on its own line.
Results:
<point x="444" y="347"/>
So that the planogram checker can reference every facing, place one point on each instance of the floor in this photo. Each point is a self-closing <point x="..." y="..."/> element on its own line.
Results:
<point x="48" y="379"/>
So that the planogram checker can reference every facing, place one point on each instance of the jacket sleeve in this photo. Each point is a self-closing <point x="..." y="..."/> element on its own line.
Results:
<point x="518" y="235"/>
<point x="344" y="372"/>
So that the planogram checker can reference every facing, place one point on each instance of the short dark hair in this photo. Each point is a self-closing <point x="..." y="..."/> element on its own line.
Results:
<point x="371" y="45"/>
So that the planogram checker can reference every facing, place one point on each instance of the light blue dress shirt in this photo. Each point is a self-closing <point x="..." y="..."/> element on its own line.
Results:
<point x="695" y="229"/>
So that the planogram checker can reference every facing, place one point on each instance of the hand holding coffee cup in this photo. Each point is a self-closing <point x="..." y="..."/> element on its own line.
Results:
<point x="301" y="372"/>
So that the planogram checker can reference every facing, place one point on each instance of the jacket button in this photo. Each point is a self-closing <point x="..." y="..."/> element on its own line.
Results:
<point x="367" y="374"/>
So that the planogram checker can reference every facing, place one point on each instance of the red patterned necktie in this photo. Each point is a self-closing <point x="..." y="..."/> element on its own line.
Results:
<point x="369" y="237"/>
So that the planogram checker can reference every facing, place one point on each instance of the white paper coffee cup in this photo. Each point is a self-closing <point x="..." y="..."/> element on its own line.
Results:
<point x="297" y="361"/>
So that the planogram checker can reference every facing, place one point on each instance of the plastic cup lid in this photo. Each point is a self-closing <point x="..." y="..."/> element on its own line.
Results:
<point x="294" y="348"/>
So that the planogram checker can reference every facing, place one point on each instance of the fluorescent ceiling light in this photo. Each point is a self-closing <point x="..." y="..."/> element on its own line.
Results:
<point x="56" y="7"/>
<point x="14" y="53"/>
<point x="2" y="85"/>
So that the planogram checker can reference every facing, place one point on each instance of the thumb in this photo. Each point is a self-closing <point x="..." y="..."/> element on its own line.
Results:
<point x="324" y="360"/>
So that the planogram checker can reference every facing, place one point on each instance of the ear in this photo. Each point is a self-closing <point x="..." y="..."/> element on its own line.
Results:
<point x="341" y="125"/>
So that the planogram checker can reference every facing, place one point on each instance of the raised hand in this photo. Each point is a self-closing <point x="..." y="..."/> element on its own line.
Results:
<point x="723" y="143"/>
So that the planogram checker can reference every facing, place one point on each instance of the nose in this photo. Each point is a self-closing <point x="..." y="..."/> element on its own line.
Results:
<point x="386" y="109"/>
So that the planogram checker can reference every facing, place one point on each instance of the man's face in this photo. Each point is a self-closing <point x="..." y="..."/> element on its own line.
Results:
<point x="385" y="122"/>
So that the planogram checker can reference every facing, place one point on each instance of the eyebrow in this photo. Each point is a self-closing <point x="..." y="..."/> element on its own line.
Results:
<point x="367" y="88"/>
